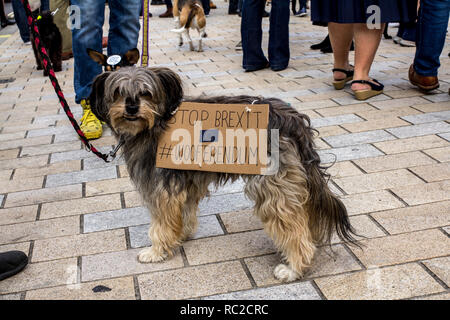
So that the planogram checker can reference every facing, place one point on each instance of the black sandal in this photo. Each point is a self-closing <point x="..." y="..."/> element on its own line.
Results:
<point x="340" y="84"/>
<point x="376" y="88"/>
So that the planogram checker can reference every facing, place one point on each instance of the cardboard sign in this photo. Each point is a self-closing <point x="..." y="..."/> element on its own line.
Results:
<point x="229" y="138"/>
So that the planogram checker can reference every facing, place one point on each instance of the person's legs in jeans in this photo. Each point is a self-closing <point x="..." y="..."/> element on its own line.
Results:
<point x="302" y="4"/>
<point x="251" y="33"/>
<point x="21" y="20"/>
<point x="294" y="6"/>
<point x="279" y="35"/>
<point x="206" y="6"/>
<point x="431" y="33"/>
<point x="233" y="6"/>
<point x="123" y="26"/>
<point x="45" y="5"/>
<point x="89" y="35"/>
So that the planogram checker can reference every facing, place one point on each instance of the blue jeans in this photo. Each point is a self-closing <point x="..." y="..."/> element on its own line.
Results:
<point x="123" y="36"/>
<point x="206" y="6"/>
<point x="251" y="33"/>
<point x="45" y="5"/>
<point x="431" y="32"/>
<point x="294" y="5"/>
<point x="21" y="20"/>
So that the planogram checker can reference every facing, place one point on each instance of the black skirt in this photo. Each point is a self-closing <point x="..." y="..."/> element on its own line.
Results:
<point x="355" y="11"/>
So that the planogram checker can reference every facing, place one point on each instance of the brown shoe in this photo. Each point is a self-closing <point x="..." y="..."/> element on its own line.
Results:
<point x="167" y="14"/>
<point x="212" y="5"/>
<point x="66" y="55"/>
<point x="425" y="83"/>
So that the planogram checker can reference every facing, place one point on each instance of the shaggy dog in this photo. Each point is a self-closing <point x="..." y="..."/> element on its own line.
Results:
<point x="296" y="206"/>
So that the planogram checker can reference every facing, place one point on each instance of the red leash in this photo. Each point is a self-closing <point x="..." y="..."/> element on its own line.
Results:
<point x="51" y="74"/>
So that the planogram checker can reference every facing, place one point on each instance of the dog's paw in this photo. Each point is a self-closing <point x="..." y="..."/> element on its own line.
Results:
<point x="151" y="255"/>
<point x="283" y="273"/>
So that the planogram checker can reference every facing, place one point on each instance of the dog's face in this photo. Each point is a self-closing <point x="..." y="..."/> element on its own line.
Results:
<point x="132" y="99"/>
<point x="115" y="62"/>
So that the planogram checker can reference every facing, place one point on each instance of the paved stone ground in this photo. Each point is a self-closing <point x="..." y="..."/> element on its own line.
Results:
<point x="82" y="223"/>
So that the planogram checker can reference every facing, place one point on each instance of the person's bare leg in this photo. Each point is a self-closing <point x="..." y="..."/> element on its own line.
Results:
<point x="341" y="36"/>
<point x="366" y="46"/>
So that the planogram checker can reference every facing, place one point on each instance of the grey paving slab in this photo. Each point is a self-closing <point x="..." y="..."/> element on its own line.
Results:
<point x="441" y="97"/>
<point x="207" y="226"/>
<point x="292" y="291"/>
<point x="49" y="131"/>
<point x="446" y="136"/>
<point x="121" y="263"/>
<point x="428" y="117"/>
<point x="76" y="155"/>
<point x="96" y="163"/>
<point x="420" y="129"/>
<point x="114" y="219"/>
<point x="230" y="187"/>
<point x="351" y="100"/>
<point x="334" y="121"/>
<point x="61" y="179"/>
<point x="224" y="203"/>
<point x="349" y="153"/>
<point x="352" y="139"/>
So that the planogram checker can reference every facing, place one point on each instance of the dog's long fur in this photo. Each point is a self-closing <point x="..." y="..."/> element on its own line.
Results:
<point x="296" y="206"/>
<point x="189" y="14"/>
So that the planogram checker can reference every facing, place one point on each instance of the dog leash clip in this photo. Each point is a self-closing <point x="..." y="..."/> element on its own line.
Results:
<point x="113" y="153"/>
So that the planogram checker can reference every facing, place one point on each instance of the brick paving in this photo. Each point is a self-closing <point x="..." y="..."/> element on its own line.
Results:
<point x="82" y="222"/>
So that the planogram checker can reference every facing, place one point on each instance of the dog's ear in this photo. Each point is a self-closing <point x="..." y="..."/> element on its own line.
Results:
<point x="98" y="57"/>
<point x="131" y="57"/>
<point x="97" y="97"/>
<point x="172" y="87"/>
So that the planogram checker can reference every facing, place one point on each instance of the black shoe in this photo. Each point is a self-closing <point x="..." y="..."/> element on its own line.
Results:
<point x="264" y="66"/>
<point x="327" y="49"/>
<point x="266" y="14"/>
<point x="12" y="262"/>
<point x="8" y="22"/>
<point x="233" y="12"/>
<point x="325" y="43"/>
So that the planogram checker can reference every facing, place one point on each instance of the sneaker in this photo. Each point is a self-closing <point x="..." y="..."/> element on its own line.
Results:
<point x="90" y="125"/>
<point x="301" y="13"/>
<point x="11" y="263"/>
<point x="396" y="39"/>
<point x="238" y="46"/>
<point x="407" y="43"/>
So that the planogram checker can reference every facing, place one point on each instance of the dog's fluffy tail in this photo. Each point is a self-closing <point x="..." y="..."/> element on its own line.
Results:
<point x="328" y="214"/>
<point x="193" y="11"/>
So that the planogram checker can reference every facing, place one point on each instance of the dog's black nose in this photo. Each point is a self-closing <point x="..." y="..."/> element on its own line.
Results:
<point x="132" y="109"/>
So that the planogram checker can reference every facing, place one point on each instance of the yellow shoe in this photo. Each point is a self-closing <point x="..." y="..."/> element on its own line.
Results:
<point x="90" y="125"/>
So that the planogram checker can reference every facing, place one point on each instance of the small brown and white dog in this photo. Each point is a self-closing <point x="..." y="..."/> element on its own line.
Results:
<point x="296" y="206"/>
<point x="189" y="14"/>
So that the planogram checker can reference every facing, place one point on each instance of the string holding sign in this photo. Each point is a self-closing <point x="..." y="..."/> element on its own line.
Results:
<point x="145" y="34"/>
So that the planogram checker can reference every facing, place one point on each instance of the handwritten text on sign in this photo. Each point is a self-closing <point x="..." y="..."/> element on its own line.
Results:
<point x="216" y="137"/>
